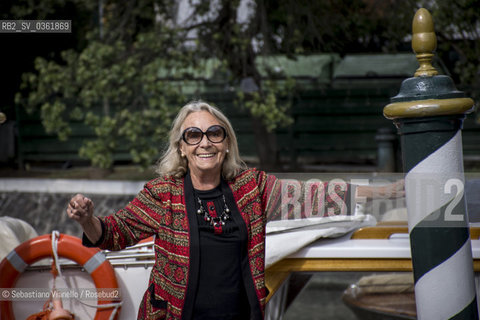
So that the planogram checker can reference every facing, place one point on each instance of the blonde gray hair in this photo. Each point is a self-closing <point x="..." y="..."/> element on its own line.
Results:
<point x="173" y="164"/>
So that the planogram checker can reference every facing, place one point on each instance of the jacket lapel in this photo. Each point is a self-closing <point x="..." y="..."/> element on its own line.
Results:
<point x="194" y="261"/>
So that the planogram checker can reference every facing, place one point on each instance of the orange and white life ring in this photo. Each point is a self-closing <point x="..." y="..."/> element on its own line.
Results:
<point x="92" y="260"/>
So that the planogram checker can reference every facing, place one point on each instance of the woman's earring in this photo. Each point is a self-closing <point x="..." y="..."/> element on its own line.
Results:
<point x="182" y="155"/>
<point x="227" y="151"/>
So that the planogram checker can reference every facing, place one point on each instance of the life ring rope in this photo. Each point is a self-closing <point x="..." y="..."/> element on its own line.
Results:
<point x="55" y="237"/>
<point x="90" y="266"/>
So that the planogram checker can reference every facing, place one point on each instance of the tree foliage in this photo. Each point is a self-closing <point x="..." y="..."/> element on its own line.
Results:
<point x="458" y="31"/>
<point x="124" y="77"/>
<point x="124" y="85"/>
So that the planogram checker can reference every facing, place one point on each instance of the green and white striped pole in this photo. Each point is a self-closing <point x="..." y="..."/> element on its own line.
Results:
<point x="429" y="114"/>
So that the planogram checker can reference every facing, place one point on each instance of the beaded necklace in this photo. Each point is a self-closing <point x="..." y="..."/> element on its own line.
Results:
<point x="216" y="221"/>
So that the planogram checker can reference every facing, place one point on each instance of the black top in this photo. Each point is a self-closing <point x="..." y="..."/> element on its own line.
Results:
<point x="220" y="291"/>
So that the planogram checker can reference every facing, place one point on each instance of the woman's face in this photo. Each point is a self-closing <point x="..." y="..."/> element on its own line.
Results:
<point x="206" y="157"/>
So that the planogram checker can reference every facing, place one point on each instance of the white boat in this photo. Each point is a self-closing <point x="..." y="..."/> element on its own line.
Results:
<point x="132" y="268"/>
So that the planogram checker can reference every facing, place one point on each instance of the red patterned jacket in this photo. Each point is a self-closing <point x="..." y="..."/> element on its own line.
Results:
<point x="161" y="209"/>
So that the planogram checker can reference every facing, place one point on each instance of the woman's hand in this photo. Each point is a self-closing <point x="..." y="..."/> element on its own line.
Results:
<point x="389" y="191"/>
<point x="80" y="209"/>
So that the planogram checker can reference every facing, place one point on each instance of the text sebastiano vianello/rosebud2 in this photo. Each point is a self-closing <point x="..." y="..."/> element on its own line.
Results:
<point x="42" y="294"/>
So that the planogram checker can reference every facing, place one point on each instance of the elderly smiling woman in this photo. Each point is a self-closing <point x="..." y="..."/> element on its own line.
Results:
<point x="208" y="212"/>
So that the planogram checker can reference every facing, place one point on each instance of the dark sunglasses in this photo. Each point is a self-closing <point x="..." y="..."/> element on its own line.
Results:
<point x="194" y="135"/>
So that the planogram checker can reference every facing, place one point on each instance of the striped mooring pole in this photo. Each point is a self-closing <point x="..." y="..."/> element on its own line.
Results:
<point x="428" y="113"/>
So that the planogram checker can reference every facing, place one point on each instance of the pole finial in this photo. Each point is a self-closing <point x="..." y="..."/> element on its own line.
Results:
<point x="424" y="42"/>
